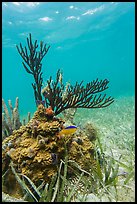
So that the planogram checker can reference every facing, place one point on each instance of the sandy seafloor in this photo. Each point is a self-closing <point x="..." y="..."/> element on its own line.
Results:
<point x="116" y="129"/>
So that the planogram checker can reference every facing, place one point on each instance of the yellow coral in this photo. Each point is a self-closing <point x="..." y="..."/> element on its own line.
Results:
<point x="38" y="155"/>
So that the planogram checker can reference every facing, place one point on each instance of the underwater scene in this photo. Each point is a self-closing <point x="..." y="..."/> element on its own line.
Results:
<point x="68" y="101"/>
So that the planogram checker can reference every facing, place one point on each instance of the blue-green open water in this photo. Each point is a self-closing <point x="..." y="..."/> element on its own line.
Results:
<point x="88" y="40"/>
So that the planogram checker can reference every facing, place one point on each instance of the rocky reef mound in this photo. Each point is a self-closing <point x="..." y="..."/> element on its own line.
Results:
<point x="37" y="148"/>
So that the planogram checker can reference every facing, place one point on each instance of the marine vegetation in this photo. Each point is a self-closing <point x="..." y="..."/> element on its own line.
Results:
<point x="107" y="182"/>
<point x="46" y="151"/>
<point x="56" y="94"/>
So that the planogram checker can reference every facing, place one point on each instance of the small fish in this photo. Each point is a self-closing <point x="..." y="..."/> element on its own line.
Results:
<point x="68" y="130"/>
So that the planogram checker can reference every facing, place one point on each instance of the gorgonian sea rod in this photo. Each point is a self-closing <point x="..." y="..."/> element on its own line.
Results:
<point x="57" y="95"/>
<point x="61" y="97"/>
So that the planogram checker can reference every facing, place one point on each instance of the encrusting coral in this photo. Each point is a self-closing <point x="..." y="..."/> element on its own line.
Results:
<point x="37" y="149"/>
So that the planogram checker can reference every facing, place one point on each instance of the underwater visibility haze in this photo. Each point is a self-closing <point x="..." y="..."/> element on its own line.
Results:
<point x="88" y="41"/>
<point x="93" y="42"/>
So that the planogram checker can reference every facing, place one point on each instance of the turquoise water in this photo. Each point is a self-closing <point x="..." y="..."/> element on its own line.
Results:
<point x="88" y="40"/>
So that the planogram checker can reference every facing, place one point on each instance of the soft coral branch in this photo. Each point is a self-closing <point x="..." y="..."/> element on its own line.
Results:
<point x="32" y="62"/>
<point x="77" y="96"/>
